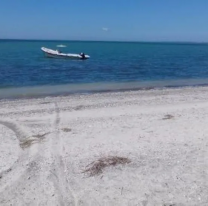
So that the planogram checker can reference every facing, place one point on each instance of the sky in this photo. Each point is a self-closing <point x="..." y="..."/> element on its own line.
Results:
<point x="108" y="20"/>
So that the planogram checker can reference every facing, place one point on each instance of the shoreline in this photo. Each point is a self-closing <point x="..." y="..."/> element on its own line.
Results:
<point x="48" y="143"/>
<point x="30" y="92"/>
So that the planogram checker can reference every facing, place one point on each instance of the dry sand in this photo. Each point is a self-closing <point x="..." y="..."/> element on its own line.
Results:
<point x="47" y="143"/>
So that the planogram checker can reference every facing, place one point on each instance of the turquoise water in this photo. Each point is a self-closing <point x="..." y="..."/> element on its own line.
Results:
<point x="23" y="64"/>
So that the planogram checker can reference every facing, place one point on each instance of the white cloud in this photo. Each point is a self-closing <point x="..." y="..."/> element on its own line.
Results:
<point x="105" y="29"/>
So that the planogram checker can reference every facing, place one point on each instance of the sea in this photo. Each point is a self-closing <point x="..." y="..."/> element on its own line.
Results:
<point x="113" y="66"/>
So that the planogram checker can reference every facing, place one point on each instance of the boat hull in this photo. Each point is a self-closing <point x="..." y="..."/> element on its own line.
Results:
<point x="55" y="54"/>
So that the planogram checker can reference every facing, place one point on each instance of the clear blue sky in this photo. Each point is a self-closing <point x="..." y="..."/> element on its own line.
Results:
<point x="131" y="20"/>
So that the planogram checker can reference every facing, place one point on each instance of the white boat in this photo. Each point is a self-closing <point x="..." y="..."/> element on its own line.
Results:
<point x="61" y="45"/>
<point x="57" y="54"/>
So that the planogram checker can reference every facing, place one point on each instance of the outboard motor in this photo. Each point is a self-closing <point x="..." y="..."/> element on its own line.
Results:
<point x="82" y="55"/>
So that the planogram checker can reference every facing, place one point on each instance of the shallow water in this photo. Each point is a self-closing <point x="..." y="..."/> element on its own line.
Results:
<point x="89" y="88"/>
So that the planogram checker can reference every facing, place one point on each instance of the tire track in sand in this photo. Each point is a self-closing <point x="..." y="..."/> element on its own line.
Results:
<point x="16" y="171"/>
<point x="66" y="195"/>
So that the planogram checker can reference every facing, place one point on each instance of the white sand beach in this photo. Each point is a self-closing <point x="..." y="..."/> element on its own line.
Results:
<point x="48" y="143"/>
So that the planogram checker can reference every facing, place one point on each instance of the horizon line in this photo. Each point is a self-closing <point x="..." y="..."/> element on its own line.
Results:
<point x="87" y="40"/>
